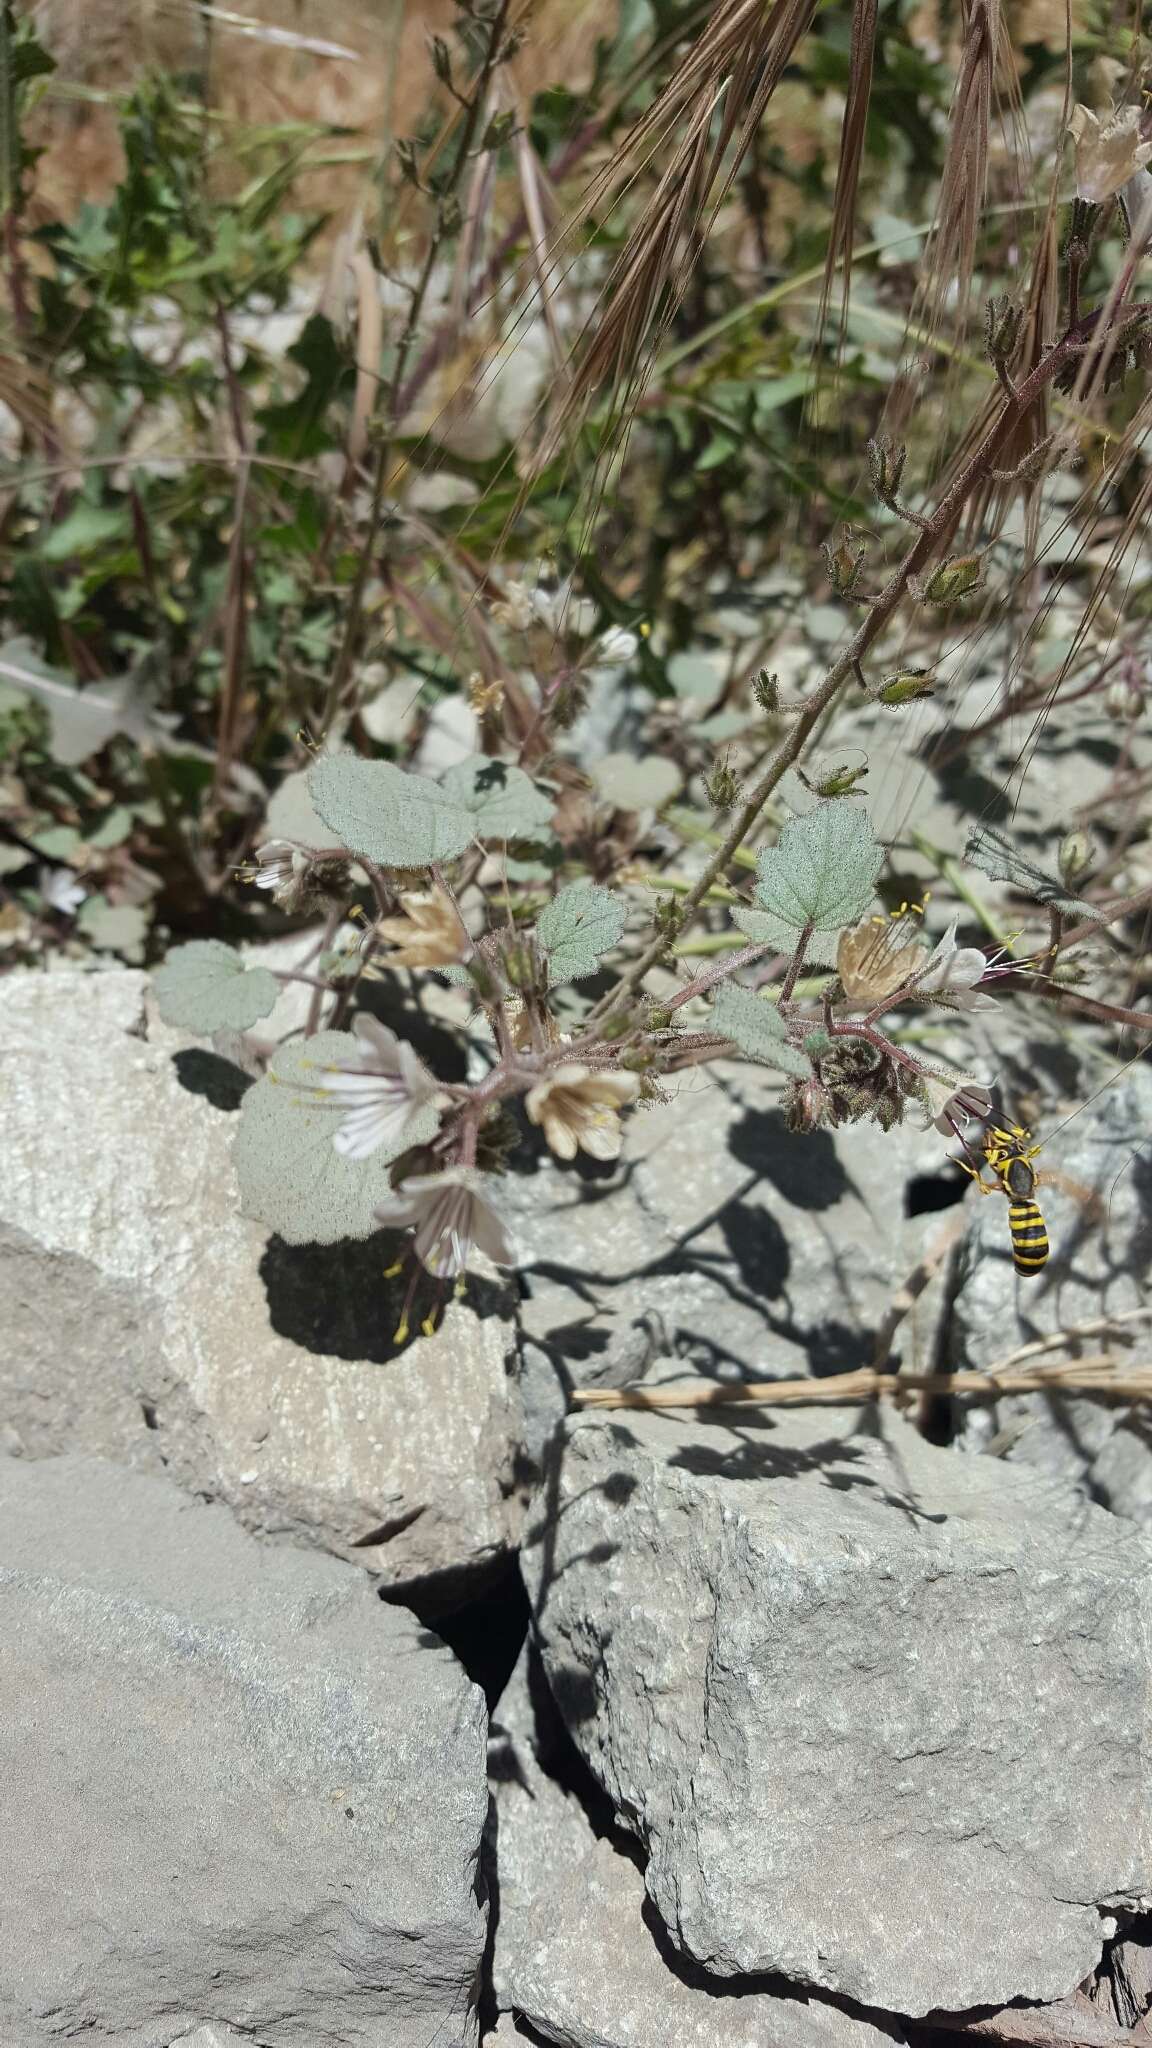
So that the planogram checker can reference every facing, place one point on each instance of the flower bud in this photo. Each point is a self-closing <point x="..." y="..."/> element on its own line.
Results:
<point x="723" y="787"/>
<point x="950" y="582"/>
<point x="886" y="459"/>
<point x="1002" y="324"/>
<point x="1076" y="857"/>
<point x="766" y="690"/>
<point x="1124" y="697"/>
<point x="845" y="563"/>
<point x="839" y="781"/>
<point x="905" y="684"/>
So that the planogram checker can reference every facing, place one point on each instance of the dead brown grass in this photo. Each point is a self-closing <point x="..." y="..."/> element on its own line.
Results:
<point x="103" y="45"/>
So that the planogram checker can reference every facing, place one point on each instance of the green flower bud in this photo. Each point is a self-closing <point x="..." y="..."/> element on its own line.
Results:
<point x="845" y="563"/>
<point x="1002" y="324"/>
<point x="886" y="459"/>
<point x="1076" y="857"/>
<point x="766" y="690"/>
<point x="950" y="582"/>
<point x="1124" y="697"/>
<point x="723" y="787"/>
<point x="840" y="780"/>
<point x="905" y="685"/>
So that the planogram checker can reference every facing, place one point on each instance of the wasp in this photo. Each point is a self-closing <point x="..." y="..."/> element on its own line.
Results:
<point x="1009" y="1152"/>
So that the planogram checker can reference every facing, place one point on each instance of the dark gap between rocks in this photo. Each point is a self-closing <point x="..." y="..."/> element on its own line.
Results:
<point x="486" y="1631"/>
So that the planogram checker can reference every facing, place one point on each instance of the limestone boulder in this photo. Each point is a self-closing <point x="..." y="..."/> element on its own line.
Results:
<point x="876" y="1713"/>
<point x="147" y="1320"/>
<point x="242" y="1796"/>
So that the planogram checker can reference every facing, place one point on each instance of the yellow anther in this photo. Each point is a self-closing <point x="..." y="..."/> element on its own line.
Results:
<point x="428" y="1326"/>
<point x="400" y="1333"/>
<point x="390" y="1272"/>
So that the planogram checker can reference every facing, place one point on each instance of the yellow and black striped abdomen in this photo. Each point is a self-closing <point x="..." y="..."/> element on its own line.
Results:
<point x="1029" y="1236"/>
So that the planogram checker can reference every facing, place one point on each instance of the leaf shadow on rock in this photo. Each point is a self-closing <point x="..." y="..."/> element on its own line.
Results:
<point x="804" y="1167"/>
<point x="221" y="1082"/>
<point x="340" y="1301"/>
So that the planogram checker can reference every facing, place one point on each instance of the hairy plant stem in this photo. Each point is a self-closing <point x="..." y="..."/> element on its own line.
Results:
<point x="935" y="535"/>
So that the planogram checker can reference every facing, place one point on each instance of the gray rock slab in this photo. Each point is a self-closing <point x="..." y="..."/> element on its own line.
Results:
<point x="725" y="1239"/>
<point x="578" y="1952"/>
<point x="238" y="1789"/>
<point x="1100" y="1229"/>
<point x="877" y="1712"/>
<point x="146" y="1319"/>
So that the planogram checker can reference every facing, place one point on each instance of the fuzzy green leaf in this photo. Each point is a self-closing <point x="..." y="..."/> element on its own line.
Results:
<point x="822" y="872"/>
<point x="205" y="986"/>
<point x="505" y="803"/>
<point x="757" y="1028"/>
<point x="398" y="820"/>
<point x="291" y="1177"/>
<point x="580" y="924"/>
<point x="765" y="930"/>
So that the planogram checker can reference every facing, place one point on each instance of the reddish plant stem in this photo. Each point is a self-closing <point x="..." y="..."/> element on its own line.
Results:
<point x="935" y="536"/>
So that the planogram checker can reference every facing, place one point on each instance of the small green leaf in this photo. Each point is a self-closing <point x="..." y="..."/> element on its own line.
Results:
<point x="505" y="802"/>
<point x="114" y="927"/>
<point x="580" y="924"/>
<point x="205" y="986"/>
<point x="291" y="1177"/>
<point x="399" y="820"/>
<point x="87" y="528"/>
<point x="822" y="872"/>
<point x="114" y="828"/>
<point x="999" y="859"/>
<point x="757" y="1028"/>
<point x="629" y="784"/>
<point x="765" y="930"/>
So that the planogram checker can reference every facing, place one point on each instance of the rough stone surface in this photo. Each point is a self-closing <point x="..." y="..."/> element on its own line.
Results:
<point x="147" y="1320"/>
<point x="725" y="1239"/>
<point x="238" y="1789"/>
<point x="1101" y="1237"/>
<point x="877" y="1712"/>
<point x="579" y="1952"/>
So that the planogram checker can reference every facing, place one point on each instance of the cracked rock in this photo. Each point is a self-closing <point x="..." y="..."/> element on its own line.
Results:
<point x="876" y="1712"/>
<point x="239" y="1791"/>
<point x="579" y="1952"/>
<point x="148" y="1320"/>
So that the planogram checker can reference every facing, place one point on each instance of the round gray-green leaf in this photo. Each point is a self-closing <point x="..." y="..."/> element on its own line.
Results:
<point x="388" y="816"/>
<point x="291" y="1177"/>
<point x="205" y="986"/>
<point x="505" y="803"/>
<point x="822" y="871"/>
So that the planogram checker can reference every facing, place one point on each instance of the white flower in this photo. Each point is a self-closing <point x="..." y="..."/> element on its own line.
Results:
<point x="614" y="649"/>
<point x="952" y="973"/>
<point x="554" y="608"/>
<point x="950" y="1103"/>
<point x="579" y="1108"/>
<point x="61" y="890"/>
<point x="1107" y="153"/>
<point x="381" y="1092"/>
<point x="450" y="1215"/>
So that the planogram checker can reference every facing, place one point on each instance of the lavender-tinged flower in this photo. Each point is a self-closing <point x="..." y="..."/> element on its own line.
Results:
<point x="381" y="1093"/>
<point x="614" y="649"/>
<point x="61" y="890"/>
<point x="952" y="1102"/>
<point x="294" y="877"/>
<point x="450" y="1216"/>
<point x="952" y="973"/>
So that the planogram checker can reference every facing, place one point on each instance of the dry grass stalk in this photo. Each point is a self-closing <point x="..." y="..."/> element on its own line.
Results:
<point x="1097" y="1375"/>
<point x="865" y="14"/>
<point x="709" y="112"/>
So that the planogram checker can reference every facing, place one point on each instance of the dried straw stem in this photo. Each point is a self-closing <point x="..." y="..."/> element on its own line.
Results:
<point x="1096" y="1375"/>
